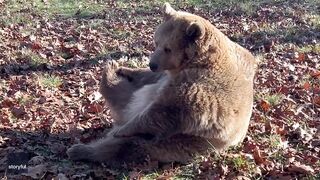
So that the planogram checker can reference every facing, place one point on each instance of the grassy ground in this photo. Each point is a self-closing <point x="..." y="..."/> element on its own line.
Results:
<point x="52" y="53"/>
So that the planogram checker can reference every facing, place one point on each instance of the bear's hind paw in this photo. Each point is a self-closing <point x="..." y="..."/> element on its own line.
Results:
<point x="80" y="152"/>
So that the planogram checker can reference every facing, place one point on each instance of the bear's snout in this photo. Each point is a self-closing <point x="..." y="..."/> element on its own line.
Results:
<point x="153" y="66"/>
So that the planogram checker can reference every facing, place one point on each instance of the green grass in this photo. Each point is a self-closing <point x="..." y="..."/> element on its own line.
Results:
<point x="23" y="100"/>
<point x="273" y="99"/>
<point x="20" y="11"/>
<point x="3" y="88"/>
<point x="239" y="162"/>
<point x="118" y="33"/>
<point x="315" y="48"/>
<point x="33" y="58"/>
<point x="314" y="20"/>
<point x="292" y="33"/>
<point x="180" y="173"/>
<point x="276" y="145"/>
<point x="68" y="8"/>
<point x="23" y="11"/>
<point x="136" y="64"/>
<point x="50" y="81"/>
<point x="311" y="177"/>
<point x="243" y="164"/>
<point x="185" y="173"/>
<point x="18" y="19"/>
<point x="245" y="6"/>
<point x="151" y="176"/>
<point x="12" y="118"/>
<point x="278" y="157"/>
<point x="275" y="141"/>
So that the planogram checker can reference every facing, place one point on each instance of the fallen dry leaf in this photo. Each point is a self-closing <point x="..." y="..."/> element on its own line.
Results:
<point x="36" y="160"/>
<point x="37" y="171"/>
<point x="306" y="86"/>
<point x="317" y="100"/>
<point x="264" y="105"/>
<point x="301" y="168"/>
<point x="315" y="74"/>
<point x="18" y="112"/>
<point x="258" y="157"/>
<point x="61" y="176"/>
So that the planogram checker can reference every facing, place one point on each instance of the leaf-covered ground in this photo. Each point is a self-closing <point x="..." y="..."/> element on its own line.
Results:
<point x="52" y="53"/>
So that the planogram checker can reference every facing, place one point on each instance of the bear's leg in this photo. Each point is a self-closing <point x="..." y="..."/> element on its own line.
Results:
<point x="180" y="148"/>
<point x="101" y="150"/>
<point x="119" y="83"/>
<point x="116" y="90"/>
<point x="117" y="87"/>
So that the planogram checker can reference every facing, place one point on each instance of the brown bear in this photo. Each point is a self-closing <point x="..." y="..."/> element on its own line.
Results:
<point x="198" y="95"/>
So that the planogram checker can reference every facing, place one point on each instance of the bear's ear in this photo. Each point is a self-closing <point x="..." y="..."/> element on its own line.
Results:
<point x="195" y="31"/>
<point x="168" y="11"/>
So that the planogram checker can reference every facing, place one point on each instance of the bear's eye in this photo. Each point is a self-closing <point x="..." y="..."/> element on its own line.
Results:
<point x="167" y="50"/>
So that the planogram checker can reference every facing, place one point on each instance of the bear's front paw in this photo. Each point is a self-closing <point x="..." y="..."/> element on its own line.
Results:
<point x="79" y="152"/>
<point x="109" y="73"/>
<point x="125" y="73"/>
<point x="111" y="66"/>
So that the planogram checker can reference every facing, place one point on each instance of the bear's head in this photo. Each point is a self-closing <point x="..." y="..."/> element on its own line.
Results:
<point x="178" y="40"/>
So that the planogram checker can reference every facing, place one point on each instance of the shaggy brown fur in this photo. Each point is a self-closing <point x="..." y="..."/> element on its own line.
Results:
<point x="199" y="95"/>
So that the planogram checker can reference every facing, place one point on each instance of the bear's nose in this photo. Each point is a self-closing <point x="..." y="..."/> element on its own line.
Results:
<point x="153" y="66"/>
